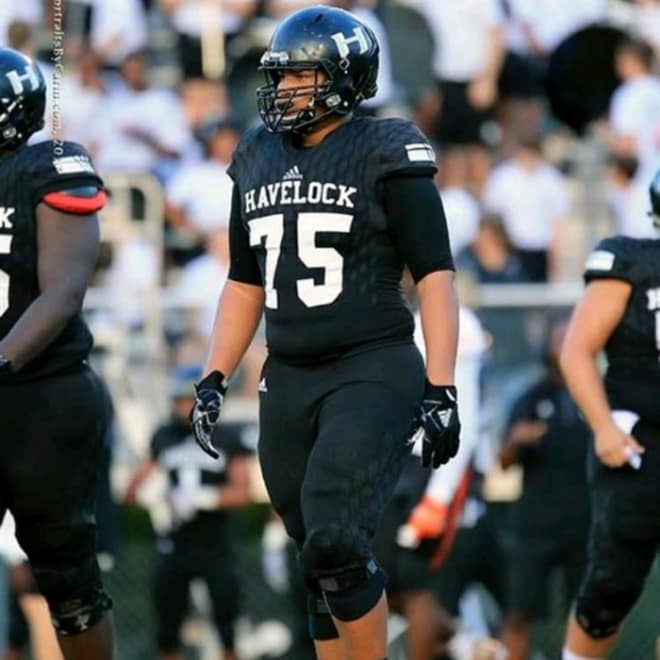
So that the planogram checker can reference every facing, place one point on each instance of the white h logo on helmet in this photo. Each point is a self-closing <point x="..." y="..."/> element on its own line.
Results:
<point x="343" y="43"/>
<point x="17" y="80"/>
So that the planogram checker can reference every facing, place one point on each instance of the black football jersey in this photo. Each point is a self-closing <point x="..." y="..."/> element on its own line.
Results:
<point x="187" y="468"/>
<point x="316" y="222"/>
<point x="633" y="350"/>
<point x="25" y="177"/>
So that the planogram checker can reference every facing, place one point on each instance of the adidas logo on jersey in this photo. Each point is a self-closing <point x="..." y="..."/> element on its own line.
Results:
<point x="294" y="174"/>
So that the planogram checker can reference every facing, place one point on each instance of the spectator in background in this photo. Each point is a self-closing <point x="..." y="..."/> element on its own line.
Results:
<point x="203" y="102"/>
<point x="635" y="107"/>
<point x="192" y="19"/>
<point x="490" y="258"/>
<point x="202" y="280"/>
<point x="279" y="9"/>
<point x="640" y="17"/>
<point x="200" y="491"/>
<point x="140" y="127"/>
<point x="469" y="48"/>
<point x="198" y="290"/>
<point x="521" y="83"/>
<point x="628" y="198"/>
<point x="550" y="522"/>
<point x="199" y="194"/>
<point x="28" y="11"/>
<point x="81" y="98"/>
<point x="532" y="198"/>
<point x="648" y="22"/>
<point x="461" y="208"/>
<point x="546" y="23"/>
<point x="118" y="28"/>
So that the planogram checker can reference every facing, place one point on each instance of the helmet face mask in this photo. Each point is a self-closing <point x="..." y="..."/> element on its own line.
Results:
<point x="277" y="106"/>
<point x="22" y="99"/>
<point x="341" y="51"/>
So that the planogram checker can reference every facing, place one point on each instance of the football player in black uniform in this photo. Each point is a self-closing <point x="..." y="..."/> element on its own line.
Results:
<point x="327" y="209"/>
<point x="198" y="544"/>
<point x="619" y="312"/>
<point x="53" y="408"/>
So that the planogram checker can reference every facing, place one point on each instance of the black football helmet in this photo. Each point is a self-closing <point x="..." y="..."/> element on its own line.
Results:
<point x="654" y="194"/>
<point x="22" y="98"/>
<point x="323" y="39"/>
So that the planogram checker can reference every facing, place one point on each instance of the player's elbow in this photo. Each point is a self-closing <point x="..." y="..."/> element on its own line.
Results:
<point x="68" y="301"/>
<point x="564" y="358"/>
<point x="570" y="357"/>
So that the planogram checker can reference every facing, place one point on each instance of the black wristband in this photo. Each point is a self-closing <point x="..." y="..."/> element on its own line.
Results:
<point x="444" y="393"/>
<point x="213" y="381"/>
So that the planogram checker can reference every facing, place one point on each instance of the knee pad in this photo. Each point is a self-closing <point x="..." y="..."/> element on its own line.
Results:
<point x="338" y="560"/>
<point x="601" y="614"/>
<point x="70" y="581"/>
<point x="333" y="548"/>
<point x="75" y="616"/>
<point x="351" y="594"/>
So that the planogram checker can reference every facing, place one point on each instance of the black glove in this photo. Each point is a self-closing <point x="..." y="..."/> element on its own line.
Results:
<point x="438" y="424"/>
<point x="209" y="395"/>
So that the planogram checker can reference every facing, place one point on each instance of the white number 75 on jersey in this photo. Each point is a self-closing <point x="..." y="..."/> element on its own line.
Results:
<point x="271" y="227"/>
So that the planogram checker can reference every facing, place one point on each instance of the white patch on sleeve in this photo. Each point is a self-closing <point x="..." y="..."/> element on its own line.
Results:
<point x="420" y="152"/>
<point x="73" y="164"/>
<point x="600" y="260"/>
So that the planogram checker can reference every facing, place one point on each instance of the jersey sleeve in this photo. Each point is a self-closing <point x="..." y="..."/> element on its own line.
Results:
<point x="403" y="150"/>
<point x="61" y="169"/>
<point x="243" y="261"/>
<point x="613" y="258"/>
<point x="417" y="225"/>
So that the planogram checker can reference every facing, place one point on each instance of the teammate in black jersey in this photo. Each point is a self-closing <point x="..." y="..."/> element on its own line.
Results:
<point x="327" y="209"/>
<point x="620" y="313"/>
<point x="198" y="544"/>
<point x="53" y="408"/>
